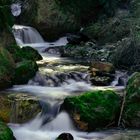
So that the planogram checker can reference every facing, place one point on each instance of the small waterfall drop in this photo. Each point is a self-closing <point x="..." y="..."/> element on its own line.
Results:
<point x="29" y="36"/>
<point x="26" y="35"/>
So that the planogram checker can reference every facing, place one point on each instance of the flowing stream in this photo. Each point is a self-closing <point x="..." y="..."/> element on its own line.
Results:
<point x="57" y="78"/>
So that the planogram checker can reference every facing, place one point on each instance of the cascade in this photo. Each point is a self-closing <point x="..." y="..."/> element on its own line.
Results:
<point x="51" y="90"/>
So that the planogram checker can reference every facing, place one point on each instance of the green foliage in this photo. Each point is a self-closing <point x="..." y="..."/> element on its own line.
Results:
<point x="6" y="18"/>
<point x="88" y="10"/>
<point x="97" y="108"/>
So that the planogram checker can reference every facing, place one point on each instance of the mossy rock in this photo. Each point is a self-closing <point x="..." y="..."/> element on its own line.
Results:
<point x="132" y="115"/>
<point x="93" y="110"/>
<point x="18" y="107"/>
<point x="5" y="132"/>
<point x="7" y="67"/>
<point x="25" y="70"/>
<point x="5" y="109"/>
<point x="30" y="53"/>
<point x="25" y="53"/>
<point x="133" y="88"/>
<point x="16" y="52"/>
<point x="132" y="107"/>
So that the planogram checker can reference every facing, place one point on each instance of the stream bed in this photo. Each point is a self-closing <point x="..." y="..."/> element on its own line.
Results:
<point x="58" y="78"/>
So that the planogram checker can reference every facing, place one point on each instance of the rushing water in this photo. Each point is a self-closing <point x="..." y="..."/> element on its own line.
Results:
<point x="51" y="122"/>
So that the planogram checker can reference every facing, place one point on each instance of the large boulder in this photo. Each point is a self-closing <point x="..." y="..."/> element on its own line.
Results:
<point x="5" y="132"/>
<point x="25" y="53"/>
<point x="25" y="70"/>
<point x="132" y="107"/>
<point x="7" y="67"/>
<point x="18" y="108"/>
<point x="30" y="53"/>
<point x="93" y="110"/>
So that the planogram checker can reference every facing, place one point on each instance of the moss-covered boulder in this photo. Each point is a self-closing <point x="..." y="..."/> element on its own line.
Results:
<point x="5" y="132"/>
<point x="16" y="52"/>
<point x="133" y="88"/>
<point x="93" y="110"/>
<point x="18" y="107"/>
<point x="30" y="53"/>
<point x="7" y="67"/>
<point x="25" y="70"/>
<point x="132" y="107"/>
<point x="25" y="53"/>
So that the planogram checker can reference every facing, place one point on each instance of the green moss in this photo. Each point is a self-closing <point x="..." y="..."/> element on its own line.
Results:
<point x="25" y="70"/>
<point x="25" y="53"/>
<point x="30" y="54"/>
<point x="7" y="67"/>
<point x="15" y="52"/>
<point x="5" y="132"/>
<point x="97" y="108"/>
<point x="133" y="88"/>
<point x="132" y="115"/>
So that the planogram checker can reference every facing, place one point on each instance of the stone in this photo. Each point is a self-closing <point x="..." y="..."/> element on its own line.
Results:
<point x="30" y="53"/>
<point x="131" y="114"/>
<point x="93" y="110"/>
<point x="18" y="107"/>
<point x="24" y="71"/>
<point x="101" y="73"/>
<point x="102" y="67"/>
<point x="65" y="136"/>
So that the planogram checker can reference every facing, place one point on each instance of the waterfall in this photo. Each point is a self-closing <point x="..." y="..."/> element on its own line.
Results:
<point x="29" y="36"/>
<point x="26" y="35"/>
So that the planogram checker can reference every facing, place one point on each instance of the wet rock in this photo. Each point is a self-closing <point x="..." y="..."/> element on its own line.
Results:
<point x="18" y="108"/>
<point x="25" y="70"/>
<point x="65" y="136"/>
<point x="7" y="67"/>
<point x="92" y="110"/>
<point x="132" y="106"/>
<point x="101" y="73"/>
<point x="5" y="132"/>
<point x="102" y="67"/>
